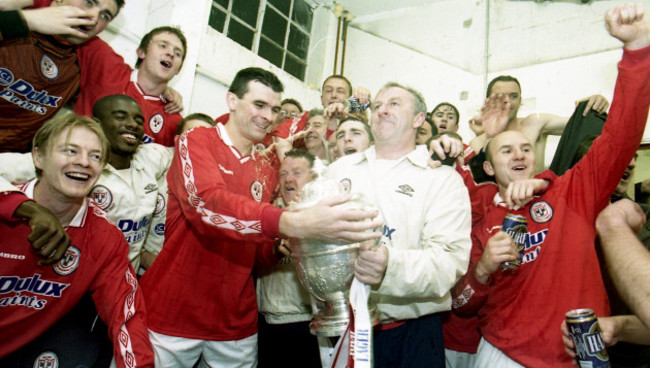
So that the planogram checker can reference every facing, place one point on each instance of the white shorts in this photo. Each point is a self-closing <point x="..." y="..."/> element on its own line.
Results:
<point x="489" y="356"/>
<point x="173" y="351"/>
<point x="459" y="359"/>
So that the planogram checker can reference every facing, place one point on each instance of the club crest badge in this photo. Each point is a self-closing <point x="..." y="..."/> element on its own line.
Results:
<point x="156" y="123"/>
<point x="541" y="212"/>
<point x="256" y="190"/>
<point x="48" y="68"/>
<point x="347" y="185"/>
<point x="101" y="196"/>
<point x="46" y="359"/>
<point x="160" y="204"/>
<point x="69" y="263"/>
<point x="259" y="147"/>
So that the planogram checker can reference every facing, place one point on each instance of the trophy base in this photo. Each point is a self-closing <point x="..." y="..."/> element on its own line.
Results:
<point x="332" y="320"/>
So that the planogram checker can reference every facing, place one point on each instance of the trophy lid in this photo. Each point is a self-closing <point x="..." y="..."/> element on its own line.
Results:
<point x="319" y="188"/>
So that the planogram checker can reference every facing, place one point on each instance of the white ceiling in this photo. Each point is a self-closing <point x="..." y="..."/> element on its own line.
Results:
<point x="492" y="35"/>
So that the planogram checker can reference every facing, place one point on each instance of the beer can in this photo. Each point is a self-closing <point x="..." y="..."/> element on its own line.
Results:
<point x="517" y="227"/>
<point x="354" y="105"/>
<point x="586" y="335"/>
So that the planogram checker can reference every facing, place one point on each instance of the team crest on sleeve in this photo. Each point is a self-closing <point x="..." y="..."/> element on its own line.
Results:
<point x="541" y="212"/>
<point x="256" y="190"/>
<point x="46" y="359"/>
<point x="259" y="147"/>
<point x="48" y="68"/>
<point x="156" y="123"/>
<point x="69" y="263"/>
<point x="160" y="204"/>
<point x="347" y="185"/>
<point x="101" y="196"/>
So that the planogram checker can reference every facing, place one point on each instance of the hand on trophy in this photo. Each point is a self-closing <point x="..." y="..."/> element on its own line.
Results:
<point x="372" y="262"/>
<point x="327" y="221"/>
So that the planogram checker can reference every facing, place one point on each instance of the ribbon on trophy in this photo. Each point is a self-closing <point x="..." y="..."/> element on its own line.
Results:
<point x="354" y="348"/>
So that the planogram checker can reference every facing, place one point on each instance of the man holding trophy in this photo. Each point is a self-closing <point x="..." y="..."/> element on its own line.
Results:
<point x="425" y="245"/>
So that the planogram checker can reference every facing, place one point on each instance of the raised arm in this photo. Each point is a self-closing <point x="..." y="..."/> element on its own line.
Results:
<point x="601" y="169"/>
<point x="54" y="20"/>
<point x="15" y="4"/>
<point x="627" y="259"/>
<point x="203" y="197"/>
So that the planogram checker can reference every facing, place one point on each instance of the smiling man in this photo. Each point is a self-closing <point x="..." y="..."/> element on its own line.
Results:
<point x="39" y="73"/>
<point x="220" y="224"/>
<point x="426" y="236"/>
<point x="559" y="268"/>
<point x="127" y="189"/>
<point x="160" y="57"/>
<point x="69" y="153"/>
<point x="128" y="194"/>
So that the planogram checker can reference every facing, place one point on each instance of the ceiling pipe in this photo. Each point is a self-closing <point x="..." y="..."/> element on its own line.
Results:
<point x="338" y="11"/>
<point x="486" y="54"/>
<point x="344" y="38"/>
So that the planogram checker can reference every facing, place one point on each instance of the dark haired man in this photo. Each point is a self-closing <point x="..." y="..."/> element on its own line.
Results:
<point x="160" y="57"/>
<point x="195" y="120"/>
<point x="352" y="136"/>
<point x="290" y="108"/>
<point x="426" y="131"/>
<point x="445" y="116"/>
<point x="220" y="224"/>
<point x="559" y="268"/>
<point x="39" y="73"/>
<point x="499" y="113"/>
<point x="315" y="130"/>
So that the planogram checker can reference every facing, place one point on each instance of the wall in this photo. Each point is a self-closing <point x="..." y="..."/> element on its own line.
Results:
<point x="371" y="62"/>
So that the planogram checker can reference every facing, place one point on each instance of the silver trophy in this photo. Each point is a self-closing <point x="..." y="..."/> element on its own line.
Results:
<point x="326" y="270"/>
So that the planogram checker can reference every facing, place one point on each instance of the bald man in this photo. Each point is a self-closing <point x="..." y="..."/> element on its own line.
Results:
<point x="559" y="269"/>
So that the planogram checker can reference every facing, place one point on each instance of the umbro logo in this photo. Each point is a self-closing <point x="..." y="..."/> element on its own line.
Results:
<point x="150" y="188"/>
<point x="405" y="189"/>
